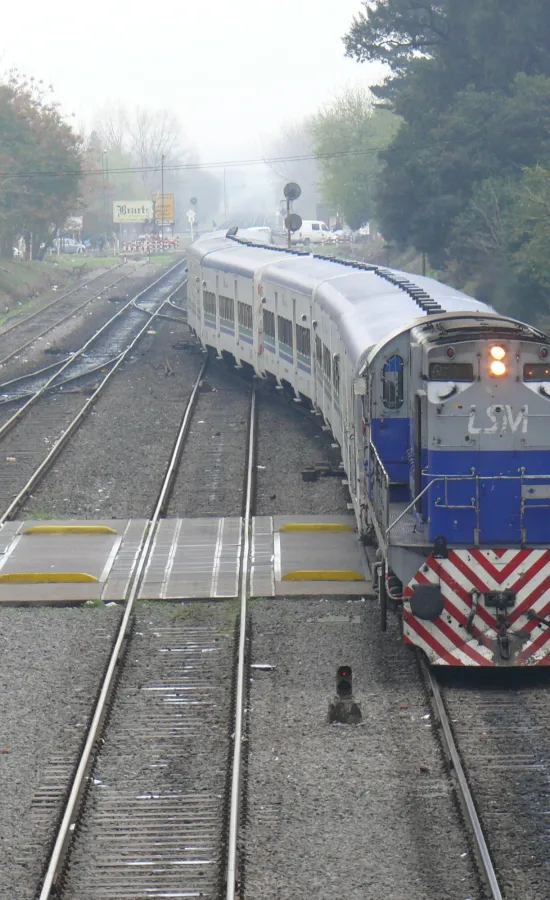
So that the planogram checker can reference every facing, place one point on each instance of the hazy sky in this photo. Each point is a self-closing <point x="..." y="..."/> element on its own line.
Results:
<point x="233" y="71"/>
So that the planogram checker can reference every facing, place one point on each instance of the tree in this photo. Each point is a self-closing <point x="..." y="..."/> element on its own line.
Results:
<point x="40" y="163"/>
<point x="431" y="173"/>
<point x="348" y="136"/>
<point x="296" y="140"/>
<point x="477" y="43"/>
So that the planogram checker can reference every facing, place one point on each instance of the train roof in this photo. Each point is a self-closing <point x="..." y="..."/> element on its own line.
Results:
<point x="370" y="303"/>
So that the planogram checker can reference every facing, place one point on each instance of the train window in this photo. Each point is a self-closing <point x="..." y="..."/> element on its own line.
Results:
<point x="318" y="350"/>
<point x="245" y="315"/>
<point x="326" y="362"/>
<point x="285" y="331"/>
<point x="451" y="371"/>
<point x="392" y="383"/>
<point x="227" y="308"/>
<point x="303" y="341"/>
<point x="269" y="323"/>
<point x="536" y="372"/>
<point x="209" y="302"/>
<point x="336" y="375"/>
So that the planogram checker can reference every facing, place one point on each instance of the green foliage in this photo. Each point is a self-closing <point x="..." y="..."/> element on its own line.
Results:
<point x="466" y="177"/>
<point x="351" y="128"/>
<point x="34" y="141"/>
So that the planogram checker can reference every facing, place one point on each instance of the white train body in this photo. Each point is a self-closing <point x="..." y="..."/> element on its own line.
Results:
<point x="387" y="362"/>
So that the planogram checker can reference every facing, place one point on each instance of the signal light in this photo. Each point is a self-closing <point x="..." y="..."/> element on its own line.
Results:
<point x="498" y="368"/>
<point x="343" y="682"/>
<point x="498" y="353"/>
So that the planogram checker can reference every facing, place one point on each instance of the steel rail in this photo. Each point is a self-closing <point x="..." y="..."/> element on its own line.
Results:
<point x="73" y="425"/>
<point x="465" y="796"/>
<point x="12" y="421"/>
<point x="70" y="815"/>
<point x="236" y="774"/>
<point x="63" y="319"/>
<point x="58" y="299"/>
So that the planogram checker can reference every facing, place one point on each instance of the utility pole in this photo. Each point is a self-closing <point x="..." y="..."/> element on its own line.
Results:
<point x="162" y="203"/>
<point x="225" y="195"/>
<point x="105" y="167"/>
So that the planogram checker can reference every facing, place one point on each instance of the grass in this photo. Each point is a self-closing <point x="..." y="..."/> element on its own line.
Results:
<point x="39" y="515"/>
<point x="21" y="281"/>
<point x="198" y="611"/>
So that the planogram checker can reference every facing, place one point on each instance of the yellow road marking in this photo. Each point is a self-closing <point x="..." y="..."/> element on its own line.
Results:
<point x="324" y="575"/>
<point x="315" y="526"/>
<point x="70" y="529"/>
<point x="45" y="577"/>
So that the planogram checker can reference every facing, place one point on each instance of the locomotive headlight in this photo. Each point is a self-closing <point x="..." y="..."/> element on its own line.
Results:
<point x="497" y="367"/>
<point x="498" y="353"/>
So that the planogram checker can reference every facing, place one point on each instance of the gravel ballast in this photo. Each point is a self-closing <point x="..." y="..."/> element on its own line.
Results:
<point x="73" y="334"/>
<point x="153" y="817"/>
<point x="52" y="662"/>
<point x="357" y="811"/>
<point x="114" y="464"/>
<point x="211" y="474"/>
<point x="288" y="442"/>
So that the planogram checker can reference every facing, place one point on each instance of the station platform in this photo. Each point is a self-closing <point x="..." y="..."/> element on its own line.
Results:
<point x="71" y="562"/>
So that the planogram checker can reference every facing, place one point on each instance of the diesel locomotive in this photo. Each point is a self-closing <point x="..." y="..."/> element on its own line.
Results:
<point x="441" y="408"/>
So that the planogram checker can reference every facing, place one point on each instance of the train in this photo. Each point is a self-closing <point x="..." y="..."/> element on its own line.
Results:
<point x="441" y="409"/>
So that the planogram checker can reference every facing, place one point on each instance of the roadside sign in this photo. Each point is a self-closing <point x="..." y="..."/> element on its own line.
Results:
<point x="126" y="212"/>
<point x="164" y="208"/>
<point x="191" y="217"/>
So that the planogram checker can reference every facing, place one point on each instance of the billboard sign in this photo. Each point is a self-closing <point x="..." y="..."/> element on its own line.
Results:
<point x="164" y="208"/>
<point x="128" y="212"/>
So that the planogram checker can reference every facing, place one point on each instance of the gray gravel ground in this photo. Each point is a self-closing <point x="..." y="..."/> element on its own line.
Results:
<point x="114" y="463"/>
<point x="211" y="476"/>
<point x="361" y="812"/>
<point x="501" y="721"/>
<point x="45" y="700"/>
<point x="289" y="441"/>
<point x="152" y="823"/>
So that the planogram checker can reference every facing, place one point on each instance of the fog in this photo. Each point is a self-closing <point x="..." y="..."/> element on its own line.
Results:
<point x="233" y="72"/>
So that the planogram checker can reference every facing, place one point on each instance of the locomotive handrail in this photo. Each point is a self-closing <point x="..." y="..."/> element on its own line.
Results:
<point x="475" y="504"/>
<point x="413" y="503"/>
<point x="380" y="487"/>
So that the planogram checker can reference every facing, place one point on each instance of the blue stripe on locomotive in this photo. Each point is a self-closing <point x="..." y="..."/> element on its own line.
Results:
<point x="391" y="437"/>
<point x="500" y="501"/>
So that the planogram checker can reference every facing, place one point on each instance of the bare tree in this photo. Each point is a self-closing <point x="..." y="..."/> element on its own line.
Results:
<point x="290" y="157"/>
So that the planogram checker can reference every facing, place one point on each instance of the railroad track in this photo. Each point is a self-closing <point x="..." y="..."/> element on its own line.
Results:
<point x="22" y="333"/>
<point x="496" y="734"/>
<point x="48" y="423"/>
<point x="154" y="829"/>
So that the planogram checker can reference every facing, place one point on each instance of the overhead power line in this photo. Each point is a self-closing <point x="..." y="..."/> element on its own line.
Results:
<point x="177" y="167"/>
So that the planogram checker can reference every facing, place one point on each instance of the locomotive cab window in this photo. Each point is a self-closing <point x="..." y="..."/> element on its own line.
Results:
<point x="451" y="371"/>
<point x="392" y="383"/>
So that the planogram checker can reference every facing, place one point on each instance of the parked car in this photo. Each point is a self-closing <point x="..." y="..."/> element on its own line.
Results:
<point x="312" y="232"/>
<point x="68" y="245"/>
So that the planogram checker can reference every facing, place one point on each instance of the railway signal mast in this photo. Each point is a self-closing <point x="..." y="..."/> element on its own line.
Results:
<point x="293" y="222"/>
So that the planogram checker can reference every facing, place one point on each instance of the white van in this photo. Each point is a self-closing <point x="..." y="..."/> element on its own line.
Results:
<point x="311" y="232"/>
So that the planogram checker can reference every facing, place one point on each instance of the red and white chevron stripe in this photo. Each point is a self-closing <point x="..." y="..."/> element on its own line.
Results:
<point x="446" y="641"/>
